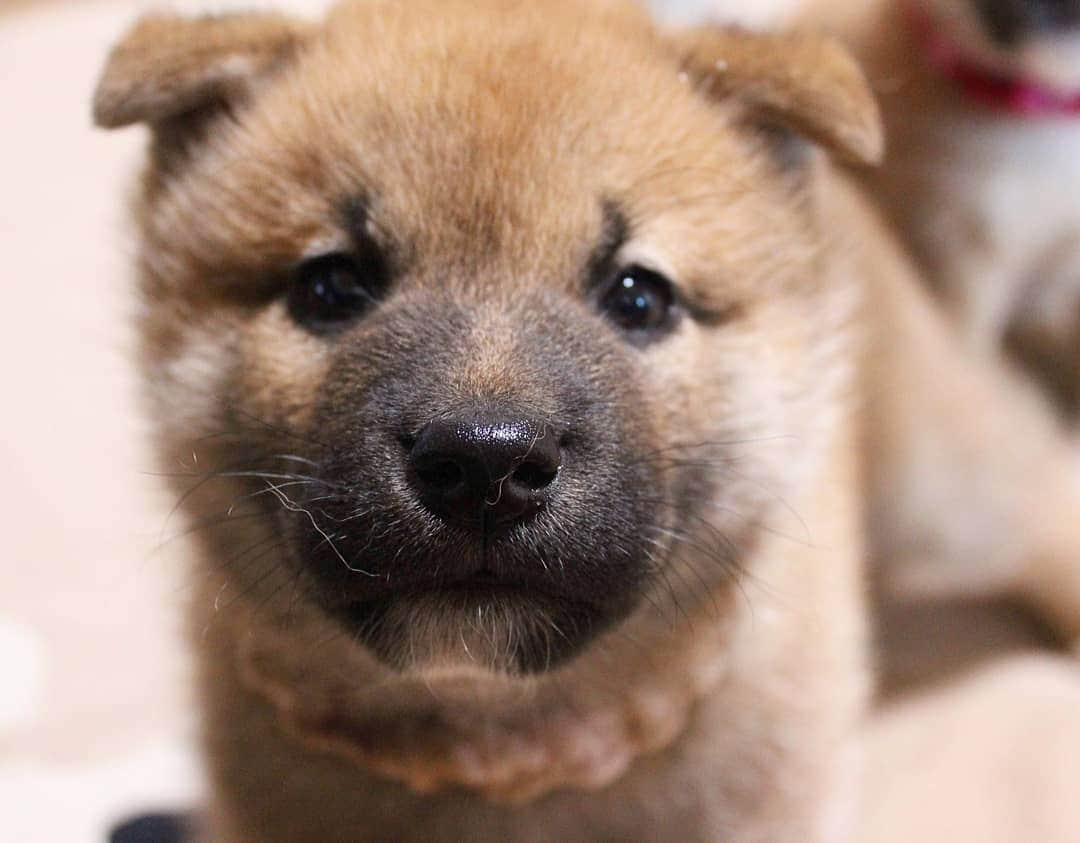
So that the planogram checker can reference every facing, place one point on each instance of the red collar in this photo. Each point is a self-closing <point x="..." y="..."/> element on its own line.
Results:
<point x="990" y="87"/>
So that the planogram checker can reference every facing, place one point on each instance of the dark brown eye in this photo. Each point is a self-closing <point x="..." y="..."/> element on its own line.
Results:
<point x="334" y="288"/>
<point x="639" y="301"/>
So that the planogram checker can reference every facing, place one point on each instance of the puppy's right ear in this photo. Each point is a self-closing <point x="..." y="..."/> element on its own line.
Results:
<point x="168" y="65"/>
<point x="807" y="83"/>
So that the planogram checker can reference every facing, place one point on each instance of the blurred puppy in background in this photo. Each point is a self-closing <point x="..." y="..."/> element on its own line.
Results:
<point x="976" y="174"/>
<point x="982" y="107"/>
<point x="518" y="347"/>
<point x="980" y="112"/>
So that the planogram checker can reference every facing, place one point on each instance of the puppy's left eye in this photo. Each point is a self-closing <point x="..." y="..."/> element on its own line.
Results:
<point x="639" y="301"/>
<point x="333" y="288"/>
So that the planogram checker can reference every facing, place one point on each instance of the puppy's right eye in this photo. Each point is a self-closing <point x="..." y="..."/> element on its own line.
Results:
<point x="333" y="288"/>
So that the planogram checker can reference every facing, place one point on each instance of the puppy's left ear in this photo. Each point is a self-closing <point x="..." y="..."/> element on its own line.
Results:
<point x="805" y="82"/>
<point x="168" y="65"/>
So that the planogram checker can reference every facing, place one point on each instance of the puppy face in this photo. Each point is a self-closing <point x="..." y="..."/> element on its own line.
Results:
<point x="490" y="327"/>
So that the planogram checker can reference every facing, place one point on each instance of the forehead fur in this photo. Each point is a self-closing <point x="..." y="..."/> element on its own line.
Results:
<point x="488" y="133"/>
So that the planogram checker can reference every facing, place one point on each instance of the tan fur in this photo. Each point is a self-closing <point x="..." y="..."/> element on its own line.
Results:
<point x="486" y="133"/>
<point x="169" y="64"/>
<point x="808" y="80"/>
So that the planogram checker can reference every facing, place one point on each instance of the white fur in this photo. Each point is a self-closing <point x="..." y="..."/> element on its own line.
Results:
<point x="1004" y="203"/>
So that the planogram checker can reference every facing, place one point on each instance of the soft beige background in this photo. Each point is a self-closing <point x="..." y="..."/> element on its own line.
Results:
<point x="95" y="720"/>
<point x="94" y="716"/>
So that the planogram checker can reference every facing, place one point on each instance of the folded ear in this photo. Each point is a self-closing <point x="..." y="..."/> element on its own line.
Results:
<point x="805" y="82"/>
<point x="168" y="64"/>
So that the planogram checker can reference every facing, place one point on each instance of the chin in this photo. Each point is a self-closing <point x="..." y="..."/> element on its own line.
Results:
<point x="482" y="626"/>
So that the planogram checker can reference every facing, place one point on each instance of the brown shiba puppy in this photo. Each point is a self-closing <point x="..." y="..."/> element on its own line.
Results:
<point x="514" y="346"/>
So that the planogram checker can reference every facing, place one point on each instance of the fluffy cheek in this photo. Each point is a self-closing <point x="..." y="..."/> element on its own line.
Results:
<point x="282" y="368"/>
<point x="189" y="382"/>
<point x="736" y="411"/>
<point x="231" y="367"/>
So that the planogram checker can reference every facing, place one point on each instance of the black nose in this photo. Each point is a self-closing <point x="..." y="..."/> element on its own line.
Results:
<point x="1010" y="21"/>
<point x="484" y="473"/>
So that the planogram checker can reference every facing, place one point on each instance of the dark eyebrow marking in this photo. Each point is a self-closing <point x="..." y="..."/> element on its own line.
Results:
<point x="356" y="216"/>
<point x="370" y="242"/>
<point x="614" y="233"/>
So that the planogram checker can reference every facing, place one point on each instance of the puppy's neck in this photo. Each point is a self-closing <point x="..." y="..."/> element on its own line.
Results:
<point x="506" y="739"/>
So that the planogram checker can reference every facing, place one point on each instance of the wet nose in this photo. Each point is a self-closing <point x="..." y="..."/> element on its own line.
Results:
<point x="484" y="473"/>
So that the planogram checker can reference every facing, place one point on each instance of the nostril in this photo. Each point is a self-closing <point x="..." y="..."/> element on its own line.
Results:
<point x="482" y="472"/>
<point x="441" y="475"/>
<point x="534" y="476"/>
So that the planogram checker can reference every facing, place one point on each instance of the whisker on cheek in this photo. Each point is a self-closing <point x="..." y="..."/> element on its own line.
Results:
<point x="292" y="506"/>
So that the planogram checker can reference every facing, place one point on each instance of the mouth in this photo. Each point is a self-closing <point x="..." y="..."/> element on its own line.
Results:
<point x="989" y="86"/>
<point x="482" y="620"/>
<point x="482" y="586"/>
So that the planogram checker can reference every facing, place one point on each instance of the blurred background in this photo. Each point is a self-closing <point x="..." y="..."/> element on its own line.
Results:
<point x="95" y="718"/>
<point x="96" y="721"/>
